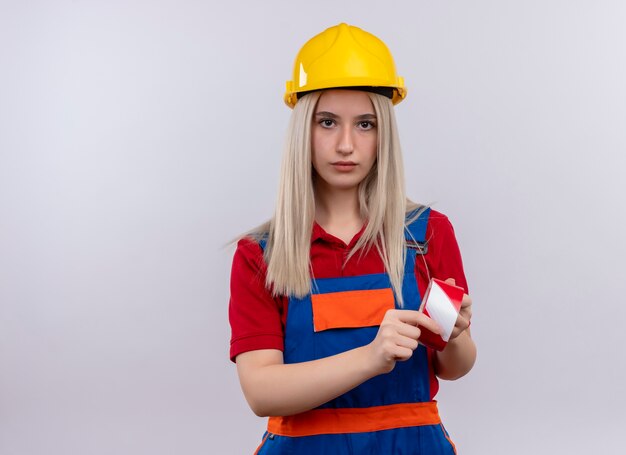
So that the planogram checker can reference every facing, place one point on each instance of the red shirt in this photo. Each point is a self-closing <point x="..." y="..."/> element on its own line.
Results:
<point x="257" y="319"/>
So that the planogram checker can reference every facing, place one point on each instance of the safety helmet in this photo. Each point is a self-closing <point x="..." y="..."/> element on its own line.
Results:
<point x="344" y="56"/>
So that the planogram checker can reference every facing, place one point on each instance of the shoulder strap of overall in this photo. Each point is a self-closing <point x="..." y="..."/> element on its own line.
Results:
<point x="415" y="232"/>
<point x="263" y="243"/>
<point x="416" y="244"/>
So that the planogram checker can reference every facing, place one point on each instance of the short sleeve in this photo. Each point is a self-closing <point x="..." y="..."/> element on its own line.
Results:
<point x="255" y="316"/>
<point x="443" y="259"/>
<point x="449" y="262"/>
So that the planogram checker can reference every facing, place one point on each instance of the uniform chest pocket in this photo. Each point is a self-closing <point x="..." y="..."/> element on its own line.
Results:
<point x="351" y="309"/>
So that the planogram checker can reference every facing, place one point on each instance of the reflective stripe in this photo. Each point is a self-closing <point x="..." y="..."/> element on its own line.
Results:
<point x="355" y="420"/>
<point x="360" y="308"/>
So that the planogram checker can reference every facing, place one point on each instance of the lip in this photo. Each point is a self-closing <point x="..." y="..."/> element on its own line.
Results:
<point x="344" y="166"/>
<point x="343" y="163"/>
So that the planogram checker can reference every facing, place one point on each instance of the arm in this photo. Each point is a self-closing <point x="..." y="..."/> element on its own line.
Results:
<point x="444" y="261"/>
<point x="274" y="388"/>
<point x="458" y="357"/>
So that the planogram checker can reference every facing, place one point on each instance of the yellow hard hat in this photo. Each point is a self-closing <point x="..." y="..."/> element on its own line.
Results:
<point x="344" y="56"/>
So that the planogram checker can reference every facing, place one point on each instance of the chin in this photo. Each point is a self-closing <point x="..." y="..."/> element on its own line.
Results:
<point x="343" y="186"/>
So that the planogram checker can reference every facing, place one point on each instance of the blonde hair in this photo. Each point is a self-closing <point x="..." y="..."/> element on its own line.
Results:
<point x="382" y="203"/>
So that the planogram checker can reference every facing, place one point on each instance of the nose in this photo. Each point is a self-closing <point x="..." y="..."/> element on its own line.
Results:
<point x="346" y="142"/>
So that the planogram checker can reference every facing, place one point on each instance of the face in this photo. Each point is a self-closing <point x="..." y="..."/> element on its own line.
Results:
<point x="344" y="139"/>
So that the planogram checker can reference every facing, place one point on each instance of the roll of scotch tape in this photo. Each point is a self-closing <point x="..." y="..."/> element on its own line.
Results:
<point x="442" y="303"/>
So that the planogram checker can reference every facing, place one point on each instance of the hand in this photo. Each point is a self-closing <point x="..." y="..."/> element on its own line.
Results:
<point x="465" y="314"/>
<point x="398" y="337"/>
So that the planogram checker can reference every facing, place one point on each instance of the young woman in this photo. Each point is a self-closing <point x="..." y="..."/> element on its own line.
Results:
<point x="325" y="296"/>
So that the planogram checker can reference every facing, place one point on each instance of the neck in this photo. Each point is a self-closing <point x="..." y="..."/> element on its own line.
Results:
<point x="338" y="212"/>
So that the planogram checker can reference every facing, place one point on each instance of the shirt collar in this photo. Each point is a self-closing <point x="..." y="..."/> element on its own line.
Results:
<point x="319" y="233"/>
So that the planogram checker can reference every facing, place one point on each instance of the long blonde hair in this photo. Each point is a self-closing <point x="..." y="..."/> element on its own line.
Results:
<point x="382" y="202"/>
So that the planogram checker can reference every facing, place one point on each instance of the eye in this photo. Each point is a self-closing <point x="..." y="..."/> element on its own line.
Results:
<point x="366" y="125"/>
<point x="327" y="122"/>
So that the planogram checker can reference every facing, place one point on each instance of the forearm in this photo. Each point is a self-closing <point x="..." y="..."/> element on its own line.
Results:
<point x="457" y="359"/>
<point x="279" y="389"/>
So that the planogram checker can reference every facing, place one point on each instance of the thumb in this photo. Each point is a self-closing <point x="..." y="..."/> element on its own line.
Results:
<point x="451" y="281"/>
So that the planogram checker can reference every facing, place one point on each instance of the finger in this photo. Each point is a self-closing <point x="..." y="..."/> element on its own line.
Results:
<point x="393" y="315"/>
<point x="417" y="318"/>
<point x="401" y="353"/>
<point x="394" y="331"/>
<point x="451" y="281"/>
<point x="429" y="324"/>
<point x="408" y="330"/>
<point x="406" y="316"/>
<point x="455" y="333"/>
<point x="460" y="326"/>
<point x="406" y="342"/>
<point x="467" y="301"/>
<point x="466" y="313"/>
<point x="401" y="333"/>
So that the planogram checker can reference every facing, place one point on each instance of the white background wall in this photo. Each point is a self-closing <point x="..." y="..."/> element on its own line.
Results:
<point x="138" y="137"/>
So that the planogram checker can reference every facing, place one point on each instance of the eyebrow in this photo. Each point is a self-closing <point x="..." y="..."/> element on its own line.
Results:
<point x="334" y="116"/>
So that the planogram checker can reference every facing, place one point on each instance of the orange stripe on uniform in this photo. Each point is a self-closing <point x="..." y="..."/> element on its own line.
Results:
<point x="364" y="308"/>
<point x="445" y="433"/>
<point x="355" y="420"/>
<point x="261" y="445"/>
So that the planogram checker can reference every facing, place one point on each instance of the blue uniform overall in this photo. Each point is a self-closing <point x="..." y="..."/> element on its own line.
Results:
<point x="388" y="414"/>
